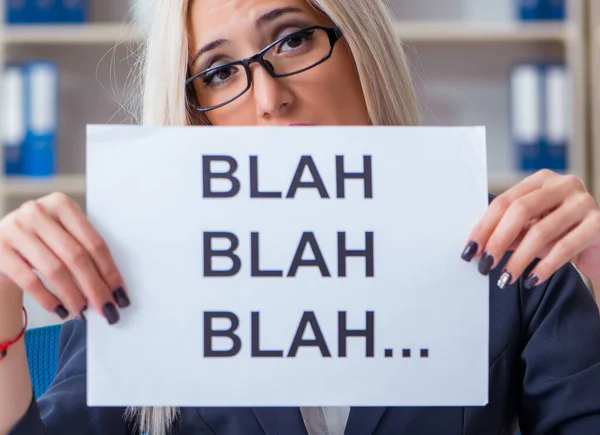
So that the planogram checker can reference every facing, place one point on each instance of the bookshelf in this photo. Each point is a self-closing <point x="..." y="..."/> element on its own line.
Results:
<point x="25" y="186"/>
<point x="94" y="33"/>
<point x="482" y="35"/>
<point x="94" y="61"/>
<point x="74" y="184"/>
<point x="460" y="52"/>
<point x="452" y="32"/>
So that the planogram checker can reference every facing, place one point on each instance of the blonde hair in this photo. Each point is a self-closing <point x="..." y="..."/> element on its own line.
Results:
<point x="380" y="62"/>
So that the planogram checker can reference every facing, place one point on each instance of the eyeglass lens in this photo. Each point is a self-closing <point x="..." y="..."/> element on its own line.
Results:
<point x="295" y="53"/>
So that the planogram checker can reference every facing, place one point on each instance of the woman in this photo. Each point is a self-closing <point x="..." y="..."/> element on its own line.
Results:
<point x="338" y="63"/>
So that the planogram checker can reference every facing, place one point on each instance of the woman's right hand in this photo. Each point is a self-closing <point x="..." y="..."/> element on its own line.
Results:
<point x="52" y="236"/>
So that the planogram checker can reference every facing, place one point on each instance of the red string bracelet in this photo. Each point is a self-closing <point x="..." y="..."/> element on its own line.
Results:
<point x="4" y="346"/>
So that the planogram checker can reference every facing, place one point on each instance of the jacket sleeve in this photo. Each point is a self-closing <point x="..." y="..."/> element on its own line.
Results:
<point x="560" y="358"/>
<point x="62" y="409"/>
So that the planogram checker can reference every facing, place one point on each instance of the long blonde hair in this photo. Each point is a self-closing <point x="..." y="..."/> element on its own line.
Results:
<point x="380" y="62"/>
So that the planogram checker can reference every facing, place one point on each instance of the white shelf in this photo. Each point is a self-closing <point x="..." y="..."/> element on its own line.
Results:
<point x="74" y="34"/>
<point x="500" y="182"/>
<point x="457" y="31"/>
<point x="75" y="184"/>
<point x="427" y="31"/>
<point x="25" y="186"/>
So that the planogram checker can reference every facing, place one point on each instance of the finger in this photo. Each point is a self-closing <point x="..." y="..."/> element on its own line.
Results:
<point x="76" y="223"/>
<point x="72" y="255"/>
<point x="515" y="244"/>
<point x="520" y="215"/>
<point x="37" y="254"/>
<point x="484" y="228"/>
<point x="21" y="273"/>
<point x="565" y="249"/>
<point x="547" y="231"/>
<point x="530" y="183"/>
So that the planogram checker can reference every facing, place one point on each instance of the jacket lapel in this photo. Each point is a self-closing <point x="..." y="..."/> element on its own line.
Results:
<point x="277" y="421"/>
<point x="364" y="421"/>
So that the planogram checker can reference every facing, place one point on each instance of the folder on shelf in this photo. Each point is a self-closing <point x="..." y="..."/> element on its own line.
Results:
<point x="41" y="101"/>
<point x="17" y="11"/>
<point x="557" y="116"/>
<point x="73" y="11"/>
<point x="525" y="115"/>
<point x="533" y="10"/>
<point x="13" y="117"/>
<point x="44" y="11"/>
<point x="529" y="10"/>
<point x="30" y="11"/>
<point x="554" y="10"/>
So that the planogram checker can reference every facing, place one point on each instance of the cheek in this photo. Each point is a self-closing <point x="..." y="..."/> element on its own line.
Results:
<point x="240" y="114"/>
<point x="336" y="93"/>
<point x="347" y="76"/>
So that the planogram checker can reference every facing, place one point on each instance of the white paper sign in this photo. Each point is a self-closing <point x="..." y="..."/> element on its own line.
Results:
<point x="290" y="266"/>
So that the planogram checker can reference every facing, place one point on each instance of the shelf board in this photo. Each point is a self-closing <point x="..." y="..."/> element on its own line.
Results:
<point x="500" y="182"/>
<point x="426" y="31"/>
<point x="25" y="186"/>
<point x="75" y="184"/>
<point x="459" y="31"/>
<point x="73" y="34"/>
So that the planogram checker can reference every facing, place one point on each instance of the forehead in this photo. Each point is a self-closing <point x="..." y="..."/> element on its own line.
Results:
<point x="212" y="15"/>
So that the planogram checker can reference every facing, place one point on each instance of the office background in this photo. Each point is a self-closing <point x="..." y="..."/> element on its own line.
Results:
<point x="530" y="76"/>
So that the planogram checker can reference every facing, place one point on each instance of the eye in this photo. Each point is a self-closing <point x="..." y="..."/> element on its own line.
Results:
<point x="295" y="41"/>
<point x="219" y="76"/>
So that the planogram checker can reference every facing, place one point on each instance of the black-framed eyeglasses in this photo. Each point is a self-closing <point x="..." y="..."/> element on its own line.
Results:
<point x="292" y="54"/>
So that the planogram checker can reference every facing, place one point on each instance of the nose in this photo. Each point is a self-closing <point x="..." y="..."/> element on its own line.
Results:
<point x="272" y="97"/>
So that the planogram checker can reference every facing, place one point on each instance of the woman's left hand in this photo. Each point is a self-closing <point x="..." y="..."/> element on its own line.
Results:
<point x="548" y="216"/>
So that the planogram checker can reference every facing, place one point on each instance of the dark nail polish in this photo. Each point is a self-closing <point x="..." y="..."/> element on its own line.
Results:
<point x="121" y="298"/>
<point x="531" y="281"/>
<point x="485" y="264"/>
<point x="62" y="312"/>
<point x="470" y="251"/>
<point x="110" y="312"/>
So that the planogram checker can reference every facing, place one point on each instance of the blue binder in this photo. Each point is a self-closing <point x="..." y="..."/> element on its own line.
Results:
<point x="18" y="11"/>
<point x="554" y="10"/>
<point x="557" y="116"/>
<point x="529" y="10"/>
<point x="41" y="101"/>
<point x="73" y="11"/>
<point x="13" y="117"/>
<point x="44" y="11"/>
<point x="525" y="115"/>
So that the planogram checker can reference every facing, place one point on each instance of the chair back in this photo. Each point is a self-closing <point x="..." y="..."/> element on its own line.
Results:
<point x="41" y="345"/>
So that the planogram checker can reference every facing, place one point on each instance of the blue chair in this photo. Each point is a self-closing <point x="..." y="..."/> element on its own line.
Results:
<point x="41" y="345"/>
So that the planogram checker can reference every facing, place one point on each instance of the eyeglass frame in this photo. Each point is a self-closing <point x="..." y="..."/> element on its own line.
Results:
<point x="334" y="34"/>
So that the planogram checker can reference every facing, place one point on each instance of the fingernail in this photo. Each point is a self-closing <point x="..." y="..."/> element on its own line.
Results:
<point x="504" y="279"/>
<point x="111" y="313"/>
<point x="485" y="264"/>
<point x="121" y="298"/>
<point x="470" y="251"/>
<point x="62" y="312"/>
<point x="531" y="281"/>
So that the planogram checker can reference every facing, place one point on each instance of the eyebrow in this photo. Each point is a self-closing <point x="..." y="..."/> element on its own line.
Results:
<point x="261" y="21"/>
